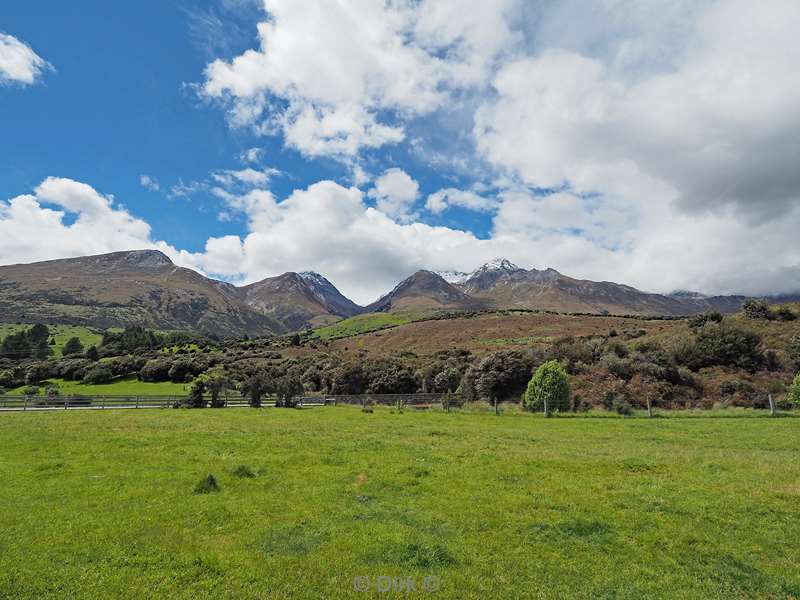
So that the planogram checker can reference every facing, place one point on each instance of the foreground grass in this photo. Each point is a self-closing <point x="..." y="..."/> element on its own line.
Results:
<point x="126" y="386"/>
<point x="103" y="504"/>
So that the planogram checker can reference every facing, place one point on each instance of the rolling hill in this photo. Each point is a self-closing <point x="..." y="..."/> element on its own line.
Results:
<point x="425" y="290"/>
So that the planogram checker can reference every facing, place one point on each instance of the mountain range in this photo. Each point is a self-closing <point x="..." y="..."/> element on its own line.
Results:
<point x="144" y="287"/>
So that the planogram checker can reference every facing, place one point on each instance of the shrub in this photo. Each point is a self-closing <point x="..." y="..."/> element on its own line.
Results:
<point x="794" y="392"/>
<point x="243" y="472"/>
<point x="549" y="384"/>
<point x="757" y="309"/>
<point x="180" y="371"/>
<point x="196" y="398"/>
<point x="721" y="345"/>
<point x="38" y="372"/>
<point x="155" y="370"/>
<point x="784" y="313"/>
<point x="621" y="406"/>
<point x="710" y="316"/>
<point x="794" y="352"/>
<point x="98" y="374"/>
<point x="31" y="390"/>
<point x="207" y="485"/>
<point x="52" y="390"/>
<point x="73" y="346"/>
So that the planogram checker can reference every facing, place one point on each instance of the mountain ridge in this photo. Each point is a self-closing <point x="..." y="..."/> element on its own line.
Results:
<point x="145" y="287"/>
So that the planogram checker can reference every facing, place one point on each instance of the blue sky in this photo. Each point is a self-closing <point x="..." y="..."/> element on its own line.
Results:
<point x="633" y="141"/>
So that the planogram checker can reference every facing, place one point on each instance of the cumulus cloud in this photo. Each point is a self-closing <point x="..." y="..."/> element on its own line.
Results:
<point x="395" y="193"/>
<point x="324" y="72"/>
<point x="35" y="226"/>
<point x="149" y="183"/>
<point x="19" y="63"/>
<point x="439" y="201"/>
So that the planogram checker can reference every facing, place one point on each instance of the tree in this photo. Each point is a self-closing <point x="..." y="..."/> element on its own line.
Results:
<point x="155" y="370"/>
<point x="501" y="375"/>
<point x="288" y="388"/>
<point x="73" y="346"/>
<point x="16" y="346"/>
<point x="180" y="371"/>
<point x="38" y="333"/>
<point x="295" y="339"/>
<point x="794" y="392"/>
<point x="216" y="381"/>
<point x="710" y="316"/>
<point x="254" y="387"/>
<point x="197" y="392"/>
<point x="548" y="388"/>
<point x="92" y="354"/>
<point x="794" y="352"/>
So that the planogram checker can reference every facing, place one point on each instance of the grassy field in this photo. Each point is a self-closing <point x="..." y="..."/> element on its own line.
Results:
<point x="62" y="333"/>
<point x="121" y="387"/>
<point x="102" y="504"/>
<point x="367" y="323"/>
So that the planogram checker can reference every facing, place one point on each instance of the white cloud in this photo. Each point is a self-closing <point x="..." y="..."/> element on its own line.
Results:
<point x="395" y="193"/>
<point x="149" y="183"/>
<point x="251" y="155"/>
<point x="439" y="201"/>
<point x="248" y="177"/>
<point x="19" y="63"/>
<point x="335" y="67"/>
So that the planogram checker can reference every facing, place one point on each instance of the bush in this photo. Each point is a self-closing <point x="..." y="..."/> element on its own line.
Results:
<point x="785" y="314"/>
<point x="710" y="316"/>
<point x="155" y="370"/>
<point x="196" y="398"/>
<point x="243" y="472"/>
<point x="721" y="345"/>
<point x="288" y="389"/>
<point x="38" y="372"/>
<point x="31" y="390"/>
<point x="52" y="390"/>
<point x="794" y="392"/>
<point x="207" y="485"/>
<point x="621" y="406"/>
<point x="180" y="371"/>
<point x="73" y="346"/>
<point x="97" y="375"/>
<point x="549" y="384"/>
<point x="254" y="387"/>
<point x="794" y="352"/>
<point x="754" y="308"/>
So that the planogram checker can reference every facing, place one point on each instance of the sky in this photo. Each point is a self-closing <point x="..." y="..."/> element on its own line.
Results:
<point x="648" y="142"/>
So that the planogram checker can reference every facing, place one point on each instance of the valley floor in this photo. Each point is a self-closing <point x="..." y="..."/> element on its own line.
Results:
<point x="102" y="504"/>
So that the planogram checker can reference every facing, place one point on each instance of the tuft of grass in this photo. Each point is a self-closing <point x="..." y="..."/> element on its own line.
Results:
<point x="207" y="485"/>
<point x="243" y="472"/>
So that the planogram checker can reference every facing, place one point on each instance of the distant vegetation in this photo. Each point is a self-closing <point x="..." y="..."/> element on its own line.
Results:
<point x="704" y="361"/>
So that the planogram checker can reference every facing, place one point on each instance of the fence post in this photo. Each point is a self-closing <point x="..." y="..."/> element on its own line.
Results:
<point x="103" y="402"/>
<point x="496" y="410"/>
<point x="546" y="409"/>
<point x="137" y="401"/>
<point x="771" y="406"/>
<point x="25" y="405"/>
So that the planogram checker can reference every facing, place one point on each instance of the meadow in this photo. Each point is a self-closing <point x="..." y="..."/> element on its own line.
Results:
<point x="60" y="333"/>
<point x="122" y="386"/>
<point x="104" y="504"/>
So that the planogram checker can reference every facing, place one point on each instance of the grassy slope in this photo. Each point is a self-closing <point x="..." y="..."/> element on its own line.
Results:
<point x="87" y="336"/>
<point x="102" y="506"/>
<point x="369" y="322"/>
<point x="121" y="387"/>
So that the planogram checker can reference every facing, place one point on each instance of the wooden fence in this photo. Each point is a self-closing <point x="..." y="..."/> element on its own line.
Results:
<point x="25" y="403"/>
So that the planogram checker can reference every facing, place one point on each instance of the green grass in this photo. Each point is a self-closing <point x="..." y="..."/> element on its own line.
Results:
<point x="367" y="323"/>
<point x="121" y="387"/>
<point x="105" y="504"/>
<point x="62" y="333"/>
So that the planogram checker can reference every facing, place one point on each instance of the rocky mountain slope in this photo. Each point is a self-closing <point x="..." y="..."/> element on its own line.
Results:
<point x="299" y="300"/>
<point x="425" y="290"/>
<point x="144" y="287"/>
<point x="139" y="287"/>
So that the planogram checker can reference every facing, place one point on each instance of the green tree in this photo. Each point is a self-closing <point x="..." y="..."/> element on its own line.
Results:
<point x="216" y="381"/>
<point x="197" y="392"/>
<point x="548" y="388"/>
<point x="73" y="346"/>
<point x="794" y="392"/>
<point x="92" y="354"/>
<point x="288" y="388"/>
<point x="254" y="387"/>
<point x="794" y="352"/>
<point x="16" y="346"/>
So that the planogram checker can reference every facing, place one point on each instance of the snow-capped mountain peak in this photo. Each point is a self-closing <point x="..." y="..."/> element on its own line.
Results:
<point x="453" y="276"/>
